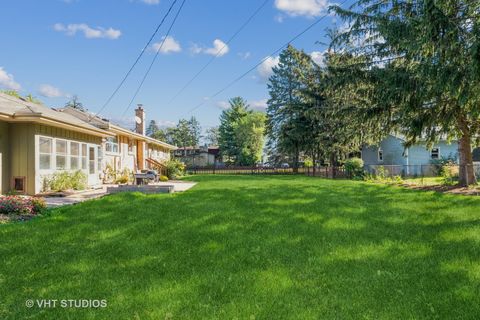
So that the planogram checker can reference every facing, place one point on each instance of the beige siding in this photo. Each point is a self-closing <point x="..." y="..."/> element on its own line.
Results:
<point x="4" y="157"/>
<point x="65" y="134"/>
<point x="22" y="154"/>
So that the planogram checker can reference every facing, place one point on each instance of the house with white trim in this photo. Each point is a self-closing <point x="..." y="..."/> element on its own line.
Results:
<point x="37" y="141"/>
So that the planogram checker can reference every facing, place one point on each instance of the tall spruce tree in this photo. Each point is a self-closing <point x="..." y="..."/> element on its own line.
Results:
<point x="229" y="120"/>
<point x="419" y="62"/>
<point x="285" y="111"/>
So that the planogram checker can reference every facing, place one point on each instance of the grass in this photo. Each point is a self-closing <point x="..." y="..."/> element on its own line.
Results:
<point x="251" y="247"/>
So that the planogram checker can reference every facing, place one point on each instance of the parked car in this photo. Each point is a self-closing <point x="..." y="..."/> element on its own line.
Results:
<point x="284" y="165"/>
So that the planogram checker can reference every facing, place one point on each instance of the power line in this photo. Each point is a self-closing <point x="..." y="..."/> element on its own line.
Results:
<point x="136" y="61"/>
<point x="230" y="84"/>
<point x="155" y="57"/>
<point x="220" y="51"/>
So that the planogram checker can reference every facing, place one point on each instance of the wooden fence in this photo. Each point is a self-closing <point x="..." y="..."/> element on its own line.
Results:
<point x="326" y="172"/>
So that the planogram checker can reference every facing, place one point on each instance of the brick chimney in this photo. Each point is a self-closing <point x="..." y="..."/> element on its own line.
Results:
<point x="140" y="120"/>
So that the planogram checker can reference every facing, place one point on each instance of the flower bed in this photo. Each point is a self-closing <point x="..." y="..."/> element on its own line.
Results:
<point x="21" y="205"/>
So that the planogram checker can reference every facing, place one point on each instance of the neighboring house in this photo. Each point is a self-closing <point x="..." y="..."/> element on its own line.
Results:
<point x="199" y="156"/>
<point x="36" y="142"/>
<point x="392" y="152"/>
<point x="476" y="155"/>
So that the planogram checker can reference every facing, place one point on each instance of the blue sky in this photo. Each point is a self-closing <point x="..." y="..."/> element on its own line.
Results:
<point x="58" y="48"/>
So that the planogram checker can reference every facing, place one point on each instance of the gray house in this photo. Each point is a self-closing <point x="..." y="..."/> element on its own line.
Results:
<point x="415" y="160"/>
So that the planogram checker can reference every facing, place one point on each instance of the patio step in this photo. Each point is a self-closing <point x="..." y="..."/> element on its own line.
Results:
<point x="148" y="189"/>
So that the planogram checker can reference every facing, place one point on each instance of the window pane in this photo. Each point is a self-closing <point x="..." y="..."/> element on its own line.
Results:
<point x="74" y="149"/>
<point x="61" y="147"/>
<point x="84" y="151"/>
<point x="61" y="162"/>
<point x="84" y="163"/>
<point x="74" y="163"/>
<point x="92" y="167"/>
<point x="45" y="161"/>
<point x="45" y="145"/>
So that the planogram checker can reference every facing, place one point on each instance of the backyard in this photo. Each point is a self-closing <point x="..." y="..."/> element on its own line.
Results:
<point x="250" y="247"/>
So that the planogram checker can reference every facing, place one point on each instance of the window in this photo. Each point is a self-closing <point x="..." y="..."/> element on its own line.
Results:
<point x="45" y="153"/>
<point x="99" y="158"/>
<point x="91" y="160"/>
<point x="84" y="156"/>
<point x="74" y="155"/>
<point x="435" y="153"/>
<point x="19" y="184"/>
<point x="380" y="154"/>
<point x="61" y="153"/>
<point x="111" y="145"/>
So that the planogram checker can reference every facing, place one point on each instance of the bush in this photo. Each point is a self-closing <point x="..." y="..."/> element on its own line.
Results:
<point x="124" y="177"/>
<point x="22" y="205"/>
<point x="308" y="163"/>
<point x="61" y="181"/>
<point x="354" y="167"/>
<point x="163" y="178"/>
<point x="175" y="169"/>
<point x="449" y="173"/>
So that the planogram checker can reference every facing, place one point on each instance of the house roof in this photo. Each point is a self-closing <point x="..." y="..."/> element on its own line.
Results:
<point x="105" y="124"/>
<point x="14" y="109"/>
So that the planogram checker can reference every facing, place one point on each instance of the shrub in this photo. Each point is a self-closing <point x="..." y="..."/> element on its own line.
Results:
<point x="308" y="163"/>
<point x="61" y="181"/>
<point x="175" y="169"/>
<point x="163" y="178"/>
<point x="354" y="167"/>
<point x="124" y="177"/>
<point x="22" y="205"/>
<point x="449" y="173"/>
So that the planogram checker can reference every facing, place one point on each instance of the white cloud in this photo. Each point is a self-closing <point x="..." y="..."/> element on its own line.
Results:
<point x="259" y="105"/>
<point x="150" y="1"/>
<point x="308" y="8"/>
<point x="223" y="105"/>
<point x="50" y="91"/>
<point x="7" y="80"/>
<point x="265" y="69"/>
<point x="170" y="45"/>
<point x="318" y="57"/>
<point x="219" y="48"/>
<point x="89" y="33"/>
<point x="245" y="55"/>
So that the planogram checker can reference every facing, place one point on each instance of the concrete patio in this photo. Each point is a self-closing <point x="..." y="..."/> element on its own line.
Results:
<point x="176" y="186"/>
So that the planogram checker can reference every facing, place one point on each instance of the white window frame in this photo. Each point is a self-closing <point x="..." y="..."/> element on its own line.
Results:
<point x="438" y="153"/>
<point x="67" y="165"/>
<point x="110" y="144"/>
<point x="71" y="156"/>
<point x="380" y="155"/>
<point x="51" y="154"/>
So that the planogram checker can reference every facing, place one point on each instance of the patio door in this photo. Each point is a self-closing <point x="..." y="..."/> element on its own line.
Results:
<point x="92" y="165"/>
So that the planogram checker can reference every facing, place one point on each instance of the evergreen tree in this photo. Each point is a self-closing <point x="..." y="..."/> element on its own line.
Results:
<point x="229" y="120"/>
<point x="212" y="136"/>
<point x="419" y="62"/>
<point x="152" y="128"/>
<point x="285" y="111"/>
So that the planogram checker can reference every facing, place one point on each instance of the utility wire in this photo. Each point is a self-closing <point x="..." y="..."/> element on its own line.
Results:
<point x="136" y="61"/>
<point x="220" y="51"/>
<point x="155" y="57"/>
<point x="230" y="84"/>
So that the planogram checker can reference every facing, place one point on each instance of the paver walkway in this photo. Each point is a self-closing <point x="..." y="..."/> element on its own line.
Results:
<point x="52" y="202"/>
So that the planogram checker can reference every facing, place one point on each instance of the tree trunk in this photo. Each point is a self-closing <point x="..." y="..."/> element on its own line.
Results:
<point x="296" y="156"/>
<point x="332" y="164"/>
<point x="467" y="172"/>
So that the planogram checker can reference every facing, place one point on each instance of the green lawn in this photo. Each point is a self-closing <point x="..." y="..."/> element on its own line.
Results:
<point x="251" y="247"/>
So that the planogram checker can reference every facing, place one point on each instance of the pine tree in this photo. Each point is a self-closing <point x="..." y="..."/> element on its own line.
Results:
<point x="229" y="120"/>
<point x="419" y="62"/>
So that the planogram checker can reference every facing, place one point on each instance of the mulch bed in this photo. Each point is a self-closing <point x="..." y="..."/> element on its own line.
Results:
<point x="446" y="189"/>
